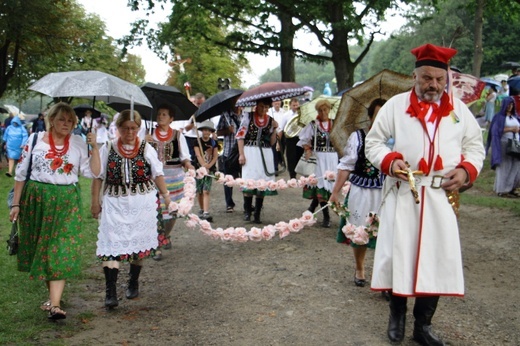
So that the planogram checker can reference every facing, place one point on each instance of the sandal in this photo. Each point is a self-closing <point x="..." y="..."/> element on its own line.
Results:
<point x="56" y="313"/>
<point x="46" y="306"/>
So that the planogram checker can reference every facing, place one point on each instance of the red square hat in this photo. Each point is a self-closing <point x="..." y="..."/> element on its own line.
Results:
<point x="431" y="55"/>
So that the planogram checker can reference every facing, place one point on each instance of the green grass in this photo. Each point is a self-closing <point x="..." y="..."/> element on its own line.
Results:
<point x="21" y="320"/>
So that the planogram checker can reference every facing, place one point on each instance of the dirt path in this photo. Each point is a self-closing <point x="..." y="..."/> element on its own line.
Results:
<point x="296" y="291"/>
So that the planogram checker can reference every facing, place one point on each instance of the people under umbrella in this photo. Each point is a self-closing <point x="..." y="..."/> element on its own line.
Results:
<point x="315" y="140"/>
<point x="173" y="152"/>
<point x="47" y="204"/>
<point x="136" y="181"/>
<point x="125" y="198"/>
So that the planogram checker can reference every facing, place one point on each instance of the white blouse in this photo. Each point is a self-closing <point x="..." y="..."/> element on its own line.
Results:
<point x="52" y="169"/>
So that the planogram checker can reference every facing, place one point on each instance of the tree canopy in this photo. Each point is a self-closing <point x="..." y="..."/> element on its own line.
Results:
<point x="42" y="36"/>
<point x="251" y="26"/>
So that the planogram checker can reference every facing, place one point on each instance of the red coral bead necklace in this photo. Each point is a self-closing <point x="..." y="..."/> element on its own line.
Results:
<point x="56" y="151"/>
<point x="128" y="153"/>
<point x="163" y="138"/>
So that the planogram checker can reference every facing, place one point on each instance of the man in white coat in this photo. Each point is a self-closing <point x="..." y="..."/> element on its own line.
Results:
<point x="418" y="248"/>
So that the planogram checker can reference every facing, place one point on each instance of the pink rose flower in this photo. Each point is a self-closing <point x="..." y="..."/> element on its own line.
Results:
<point x="284" y="233"/>
<point x="330" y="175"/>
<point x="191" y="223"/>
<point x="303" y="181"/>
<point x="241" y="235"/>
<point x="220" y="177"/>
<point x="272" y="185"/>
<point x="313" y="181"/>
<point x="261" y="185"/>
<point x="239" y="182"/>
<point x="282" y="184"/>
<point x="307" y="218"/>
<point x="360" y="236"/>
<point x="255" y="234"/>
<point x="205" y="226"/>
<point x="295" y="225"/>
<point x="250" y="184"/>
<point x="349" y="230"/>
<point x="268" y="232"/>
<point x="194" y="217"/>
<point x="184" y="208"/>
<point x="227" y="234"/>
<point x="292" y="183"/>
<point x="201" y="172"/>
<point x="190" y="173"/>
<point x="173" y="207"/>
<point x="216" y="234"/>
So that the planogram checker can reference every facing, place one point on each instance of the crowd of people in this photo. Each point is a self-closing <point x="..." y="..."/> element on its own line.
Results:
<point x="136" y="175"/>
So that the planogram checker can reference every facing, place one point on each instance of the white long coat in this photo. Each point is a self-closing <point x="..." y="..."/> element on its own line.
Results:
<point x="418" y="247"/>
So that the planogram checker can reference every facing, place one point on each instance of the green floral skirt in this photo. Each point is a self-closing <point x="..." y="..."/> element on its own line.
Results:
<point x="50" y="231"/>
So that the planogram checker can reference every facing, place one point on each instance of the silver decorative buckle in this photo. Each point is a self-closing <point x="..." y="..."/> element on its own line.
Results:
<point x="436" y="181"/>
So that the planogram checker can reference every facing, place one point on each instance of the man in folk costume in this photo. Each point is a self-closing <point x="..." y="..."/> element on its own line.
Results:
<point x="418" y="248"/>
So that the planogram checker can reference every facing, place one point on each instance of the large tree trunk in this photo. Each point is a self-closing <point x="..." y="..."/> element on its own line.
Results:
<point x="343" y="66"/>
<point x="478" y="52"/>
<point x="286" y="48"/>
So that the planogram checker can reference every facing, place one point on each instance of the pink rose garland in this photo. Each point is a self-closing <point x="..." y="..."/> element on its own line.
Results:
<point x="240" y="234"/>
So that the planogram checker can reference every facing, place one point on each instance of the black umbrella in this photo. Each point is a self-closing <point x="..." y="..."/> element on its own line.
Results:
<point x="217" y="104"/>
<point x="510" y="65"/>
<point x="3" y="110"/>
<point x="81" y="109"/>
<point x="159" y="95"/>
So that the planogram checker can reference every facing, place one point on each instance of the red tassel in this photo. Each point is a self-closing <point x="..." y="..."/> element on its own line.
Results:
<point x="438" y="164"/>
<point x="423" y="166"/>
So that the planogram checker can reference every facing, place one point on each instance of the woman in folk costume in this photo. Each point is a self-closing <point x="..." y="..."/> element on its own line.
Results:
<point x="174" y="153"/>
<point x="505" y="126"/>
<point x="255" y="138"/>
<point x="48" y="203"/>
<point x="418" y="248"/>
<point x="365" y="192"/>
<point x="318" y="132"/>
<point x="129" y="218"/>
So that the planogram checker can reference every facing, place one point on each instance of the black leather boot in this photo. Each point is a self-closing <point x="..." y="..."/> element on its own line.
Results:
<point x="423" y="311"/>
<point x="248" y="207"/>
<point x="397" y="319"/>
<point x="132" y="291"/>
<point x="314" y="204"/>
<point x="326" y="215"/>
<point x="111" y="287"/>
<point x="259" y="202"/>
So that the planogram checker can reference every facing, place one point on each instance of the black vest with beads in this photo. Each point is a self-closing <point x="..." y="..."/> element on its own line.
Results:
<point x="365" y="174"/>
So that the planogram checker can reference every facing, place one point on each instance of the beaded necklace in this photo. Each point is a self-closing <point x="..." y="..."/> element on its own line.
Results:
<point x="56" y="151"/>
<point x="165" y="137"/>
<point x="129" y="154"/>
<point x="261" y="122"/>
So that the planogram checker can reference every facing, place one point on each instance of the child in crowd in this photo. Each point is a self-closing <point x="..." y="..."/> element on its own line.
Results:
<point x="207" y="157"/>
